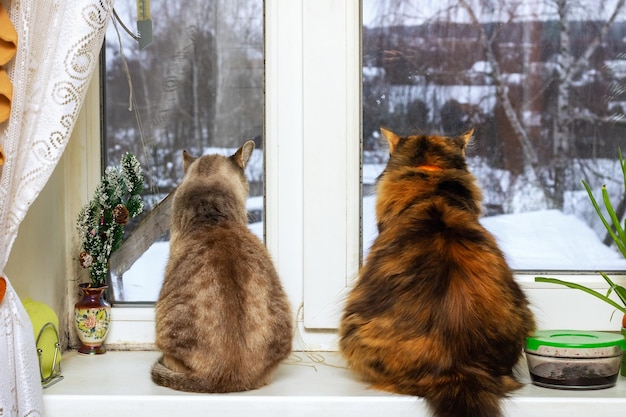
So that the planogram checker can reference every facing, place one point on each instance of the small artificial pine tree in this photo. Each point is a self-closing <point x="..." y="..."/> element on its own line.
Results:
<point x="101" y="222"/>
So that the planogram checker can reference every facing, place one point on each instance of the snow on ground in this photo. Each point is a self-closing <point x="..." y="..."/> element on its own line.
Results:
<point x="537" y="240"/>
<point x="549" y="239"/>
<point x="142" y="282"/>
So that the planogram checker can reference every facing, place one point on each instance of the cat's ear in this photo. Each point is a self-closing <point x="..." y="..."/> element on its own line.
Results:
<point x="392" y="139"/>
<point x="467" y="136"/>
<point x="242" y="156"/>
<point x="187" y="161"/>
<point x="464" y="139"/>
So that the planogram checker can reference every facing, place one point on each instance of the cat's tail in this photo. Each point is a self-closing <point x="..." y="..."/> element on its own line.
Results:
<point x="471" y="396"/>
<point x="180" y="381"/>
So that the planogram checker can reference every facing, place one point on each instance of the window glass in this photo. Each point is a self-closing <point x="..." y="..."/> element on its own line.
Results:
<point x="198" y="86"/>
<point x="542" y="84"/>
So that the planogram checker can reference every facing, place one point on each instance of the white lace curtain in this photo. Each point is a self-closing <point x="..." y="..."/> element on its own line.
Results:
<point x="58" y="48"/>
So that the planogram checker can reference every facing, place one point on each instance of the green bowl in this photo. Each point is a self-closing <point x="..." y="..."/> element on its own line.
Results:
<point x="623" y="371"/>
<point x="574" y="359"/>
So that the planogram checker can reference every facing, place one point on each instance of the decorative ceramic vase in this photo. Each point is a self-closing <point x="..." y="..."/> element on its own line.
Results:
<point x="92" y="317"/>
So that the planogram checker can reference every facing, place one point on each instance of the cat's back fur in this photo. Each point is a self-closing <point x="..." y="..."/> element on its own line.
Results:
<point x="435" y="311"/>
<point x="223" y="321"/>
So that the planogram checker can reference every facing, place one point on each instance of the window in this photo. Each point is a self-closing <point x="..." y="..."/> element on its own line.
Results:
<point x="541" y="82"/>
<point x="197" y="86"/>
<point x="326" y="87"/>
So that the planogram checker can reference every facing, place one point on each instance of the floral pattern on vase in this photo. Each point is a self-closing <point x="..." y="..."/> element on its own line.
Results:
<point x="92" y="318"/>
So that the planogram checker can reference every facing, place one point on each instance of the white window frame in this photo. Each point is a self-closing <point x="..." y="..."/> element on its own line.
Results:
<point x="312" y="106"/>
<point x="312" y="157"/>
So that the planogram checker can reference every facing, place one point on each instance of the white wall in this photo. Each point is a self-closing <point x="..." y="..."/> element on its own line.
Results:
<point x="42" y="257"/>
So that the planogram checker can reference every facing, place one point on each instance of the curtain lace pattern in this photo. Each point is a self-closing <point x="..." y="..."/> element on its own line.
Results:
<point x="58" y="48"/>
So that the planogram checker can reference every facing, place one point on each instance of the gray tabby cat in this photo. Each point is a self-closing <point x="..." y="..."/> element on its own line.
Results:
<point x="223" y="321"/>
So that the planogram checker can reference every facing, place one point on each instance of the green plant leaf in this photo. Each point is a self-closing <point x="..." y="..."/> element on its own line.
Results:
<point x="622" y="163"/>
<point x="607" y="226"/>
<point x="616" y="222"/>
<point x="582" y="288"/>
<point x="618" y="289"/>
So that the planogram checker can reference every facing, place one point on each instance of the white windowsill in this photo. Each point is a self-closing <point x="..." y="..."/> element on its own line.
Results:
<point x="118" y="384"/>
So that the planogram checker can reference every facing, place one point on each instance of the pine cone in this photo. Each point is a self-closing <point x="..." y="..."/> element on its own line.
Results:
<point x="120" y="214"/>
<point x="86" y="260"/>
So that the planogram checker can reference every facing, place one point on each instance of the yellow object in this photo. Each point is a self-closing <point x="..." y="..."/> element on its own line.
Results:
<point x="144" y="23"/>
<point x="8" y="48"/>
<point x="40" y="314"/>
<point x="143" y="10"/>
<point x="8" y="37"/>
<point x="6" y="95"/>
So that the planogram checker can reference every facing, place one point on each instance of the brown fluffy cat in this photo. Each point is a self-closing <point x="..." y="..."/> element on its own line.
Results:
<point x="436" y="311"/>
<point x="223" y="321"/>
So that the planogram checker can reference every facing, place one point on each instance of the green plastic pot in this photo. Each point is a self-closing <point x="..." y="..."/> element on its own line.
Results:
<point x="623" y="369"/>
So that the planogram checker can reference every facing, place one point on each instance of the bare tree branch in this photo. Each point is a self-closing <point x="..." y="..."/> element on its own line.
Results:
<point x="583" y="59"/>
<point x="530" y="156"/>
